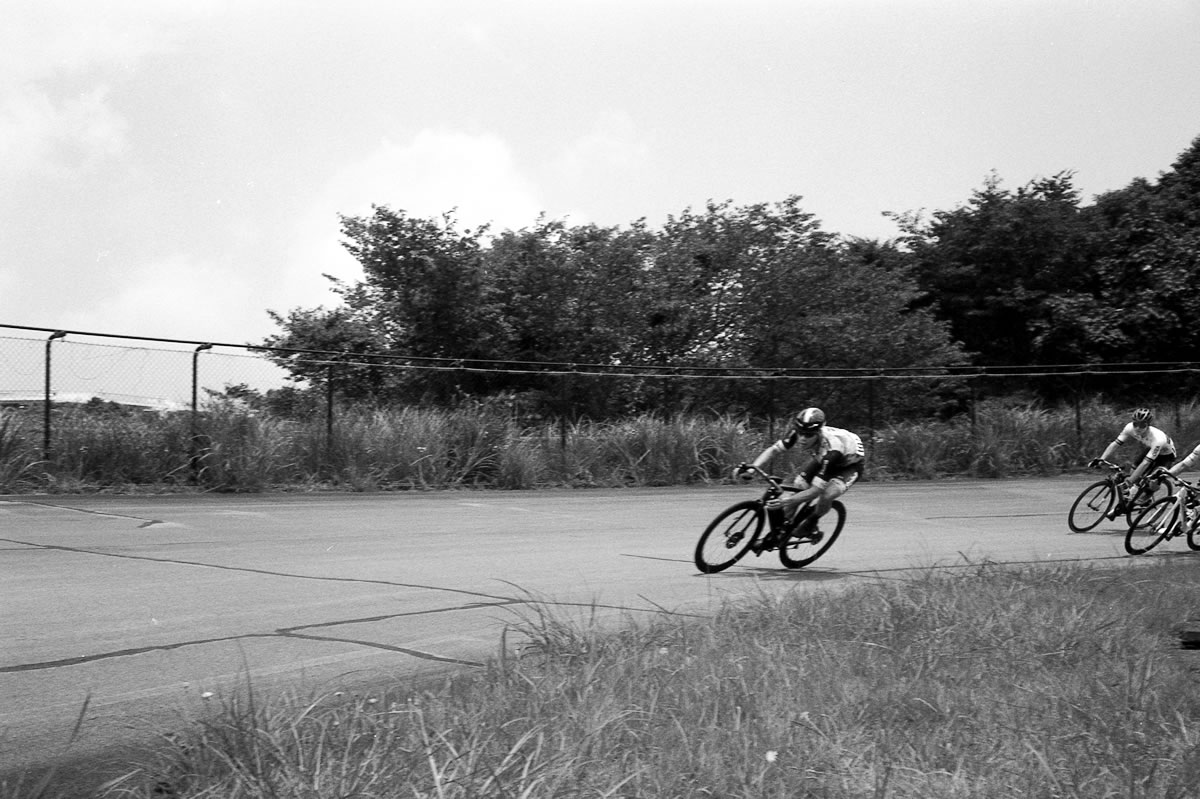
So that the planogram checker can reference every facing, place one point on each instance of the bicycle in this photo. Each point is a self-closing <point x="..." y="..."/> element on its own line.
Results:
<point x="1172" y="515"/>
<point x="739" y="529"/>
<point x="1104" y="499"/>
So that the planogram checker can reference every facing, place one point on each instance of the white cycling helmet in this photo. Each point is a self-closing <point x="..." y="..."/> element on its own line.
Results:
<point x="810" y="420"/>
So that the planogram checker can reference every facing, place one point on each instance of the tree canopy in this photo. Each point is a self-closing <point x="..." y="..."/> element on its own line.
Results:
<point x="754" y="293"/>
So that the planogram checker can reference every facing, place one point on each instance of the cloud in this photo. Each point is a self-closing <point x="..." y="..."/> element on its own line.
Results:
<point x="58" y="59"/>
<point x="437" y="171"/>
<point x="179" y="296"/>
<point x="39" y="133"/>
<point x="611" y="145"/>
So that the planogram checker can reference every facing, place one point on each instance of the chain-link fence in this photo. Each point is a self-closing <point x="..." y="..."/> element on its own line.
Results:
<point x="45" y="373"/>
<point x="76" y="369"/>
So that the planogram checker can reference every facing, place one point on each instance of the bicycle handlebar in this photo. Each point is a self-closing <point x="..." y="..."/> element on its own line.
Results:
<point x="777" y="483"/>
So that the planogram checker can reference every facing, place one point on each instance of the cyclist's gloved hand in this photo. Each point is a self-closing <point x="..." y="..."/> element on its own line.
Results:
<point x="743" y="472"/>
<point x="1094" y="463"/>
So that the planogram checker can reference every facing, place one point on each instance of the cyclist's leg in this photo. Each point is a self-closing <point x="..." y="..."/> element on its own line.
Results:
<point x="1147" y="490"/>
<point x="837" y="484"/>
<point x="804" y="482"/>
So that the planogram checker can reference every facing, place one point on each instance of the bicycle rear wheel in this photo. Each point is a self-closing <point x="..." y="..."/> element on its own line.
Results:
<point x="796" y="552"/>
<point x="729" y="536"/>
<point x="1155" y="523"/>
<point x="1091" y="506"/>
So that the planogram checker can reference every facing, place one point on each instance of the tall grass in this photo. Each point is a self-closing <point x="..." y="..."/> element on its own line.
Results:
<point x="483" y="446"/>
<point x="1041" y="682"/>
<point x="18" y="458"/>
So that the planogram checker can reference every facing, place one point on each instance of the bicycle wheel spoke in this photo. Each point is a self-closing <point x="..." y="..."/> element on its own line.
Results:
<point x="1154" y="524"/>
<point x="1092" y="506"/>
<point x="728" y="537"/>
<point x="799" y="549"/>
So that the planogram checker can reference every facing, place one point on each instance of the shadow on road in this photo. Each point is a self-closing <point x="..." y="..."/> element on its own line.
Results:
<point x="780" y="573"/>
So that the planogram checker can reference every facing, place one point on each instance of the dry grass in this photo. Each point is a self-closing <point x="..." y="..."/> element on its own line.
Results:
<point x="483" y="446"/>
<point x="1055" y="682"/>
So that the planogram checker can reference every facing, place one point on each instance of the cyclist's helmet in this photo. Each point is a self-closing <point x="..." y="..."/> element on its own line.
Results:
<point x="1143" y="416"/>
<point x="810" y="420"/>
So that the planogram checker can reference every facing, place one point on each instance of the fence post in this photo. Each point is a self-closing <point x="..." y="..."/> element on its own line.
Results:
<point x="871" y="406"/>
<point x="46" y="399"/>
<point x="329" y="403"/>
<point x="1079" y="388"/>
<point x="194" y="453"/>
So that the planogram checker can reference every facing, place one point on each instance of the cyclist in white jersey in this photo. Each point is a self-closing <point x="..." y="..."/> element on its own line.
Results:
<point x="1188" y="462"/>
<point x="1159" y="449"/>
<point x="836" y="459"/>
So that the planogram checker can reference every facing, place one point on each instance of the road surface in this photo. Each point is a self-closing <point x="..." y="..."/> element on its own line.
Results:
<point x="149" y="607"/>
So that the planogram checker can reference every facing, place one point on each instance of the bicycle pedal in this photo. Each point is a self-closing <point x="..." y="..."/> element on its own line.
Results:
<point x="811" y="537"/>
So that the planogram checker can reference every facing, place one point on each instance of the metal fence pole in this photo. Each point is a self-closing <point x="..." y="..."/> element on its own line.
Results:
<point x="46" y="398"/>
<point x="194" y="454"/>
<point x="329" y="406"/>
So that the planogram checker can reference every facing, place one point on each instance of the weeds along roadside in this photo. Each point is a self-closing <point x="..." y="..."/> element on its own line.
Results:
<point x="1053" y="681"/>
<point x="234" y="449"/>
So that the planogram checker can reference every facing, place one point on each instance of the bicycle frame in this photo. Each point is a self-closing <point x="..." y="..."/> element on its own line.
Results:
<point x="1166" y="518"/>
<point x="1181" y="490"/>
<point x="775" y="489"/>
<point x="1146" y="487"/>
<point x="750" y="526"/>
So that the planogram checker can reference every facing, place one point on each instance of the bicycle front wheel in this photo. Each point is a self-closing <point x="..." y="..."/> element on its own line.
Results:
<point x="1091" y="506"/>
<point x="796" y="552"/>
<point x="1157" y="522"/>
<point x="729" y="536"/>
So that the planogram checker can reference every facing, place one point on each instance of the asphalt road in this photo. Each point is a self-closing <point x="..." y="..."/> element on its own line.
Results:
<point x="149" y="608"/>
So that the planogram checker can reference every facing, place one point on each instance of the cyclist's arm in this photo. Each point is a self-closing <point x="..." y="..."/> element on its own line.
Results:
<point x="1188" y="462"/>
<point x="779" y="447"/>
<point x="1108" y="452"/>
<point x="1143" y="465"/>
<point x="1160" y="444"/>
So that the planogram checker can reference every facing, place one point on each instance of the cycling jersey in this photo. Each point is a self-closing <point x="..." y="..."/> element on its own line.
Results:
<point x="833" y="444"/>
<point x="1157" y="443"/>
<point x="1191" y="460"/>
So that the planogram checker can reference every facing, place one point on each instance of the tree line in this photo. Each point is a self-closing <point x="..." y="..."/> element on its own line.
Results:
<point x="755" y="308"/>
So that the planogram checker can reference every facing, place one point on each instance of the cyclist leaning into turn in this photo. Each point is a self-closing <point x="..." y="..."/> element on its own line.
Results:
<point x="835" y="462"/>
<point x="1190" y="460"/>
<point x="1158" y="448"/>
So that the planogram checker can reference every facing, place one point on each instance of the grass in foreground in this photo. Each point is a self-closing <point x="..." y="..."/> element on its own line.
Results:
<point x="1050" y="682"/>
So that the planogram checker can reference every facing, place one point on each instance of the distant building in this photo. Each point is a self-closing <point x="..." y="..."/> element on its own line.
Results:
<point x="30" y="401"/>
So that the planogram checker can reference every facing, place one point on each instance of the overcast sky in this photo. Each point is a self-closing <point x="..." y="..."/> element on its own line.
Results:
<point x="174" y="169"/>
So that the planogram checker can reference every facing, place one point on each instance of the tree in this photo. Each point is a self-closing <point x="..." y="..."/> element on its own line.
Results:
<point x="566" y="295"/>
<point x="728" y="287"/>
<point x="1147" y="240"/>
<point x="319" y="347"/>
<point x="420" y="299"/>
<point x="1001" y="267"/>
<point x="763" y="287"/>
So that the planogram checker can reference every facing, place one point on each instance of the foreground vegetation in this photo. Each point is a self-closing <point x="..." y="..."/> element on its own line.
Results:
<point x="232" y="448"/>
<point x="1039" y="682"/>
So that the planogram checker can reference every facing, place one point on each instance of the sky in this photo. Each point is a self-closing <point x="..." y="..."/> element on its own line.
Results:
<point x="177" y="168"/>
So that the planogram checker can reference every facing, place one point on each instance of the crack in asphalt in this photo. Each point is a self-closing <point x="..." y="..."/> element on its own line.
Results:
<point x="494" y="601"/>
<point x="282" y="632"/>
<point x="144" y="521"/>
<point x="268" y="572"/>
<point x="294" y="632"/>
